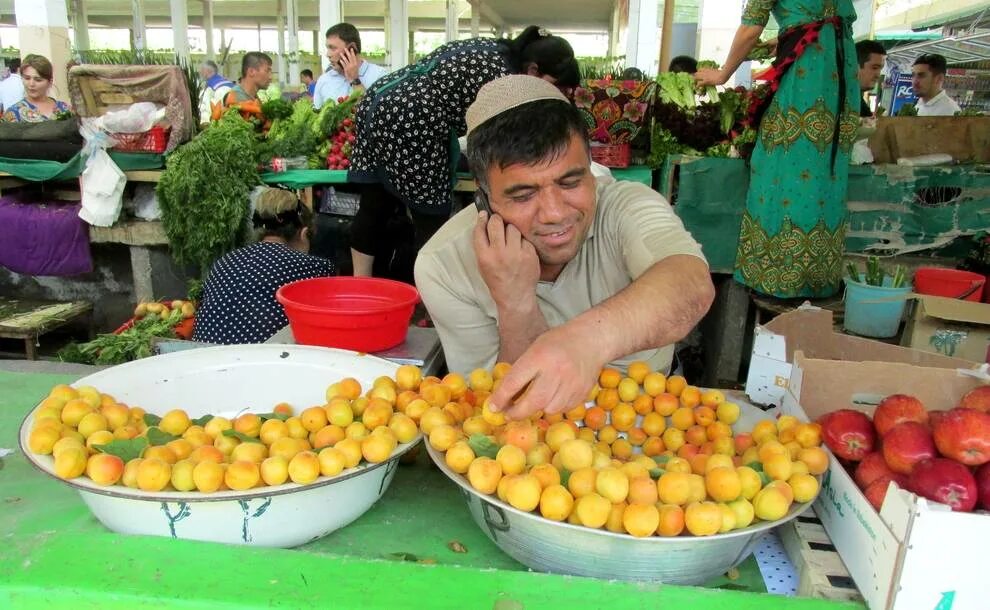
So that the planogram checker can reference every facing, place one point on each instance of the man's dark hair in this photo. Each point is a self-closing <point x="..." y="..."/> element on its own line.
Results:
<point x="510" y="138"/>
<point x="254" y="59"/>
<point x="346" y="32"/>
<point x="934" y="61"/>
<point x="14" y="65"/>
<point x="306" y="72"/>
<point x="683" y="63"/>
<point x="865" y="48"/>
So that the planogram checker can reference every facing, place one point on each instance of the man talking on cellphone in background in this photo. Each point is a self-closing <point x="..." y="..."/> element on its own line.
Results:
<point x="348" y="72"/>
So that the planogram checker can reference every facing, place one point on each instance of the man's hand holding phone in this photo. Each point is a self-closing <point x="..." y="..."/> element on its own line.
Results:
<point x="350" y="61"/>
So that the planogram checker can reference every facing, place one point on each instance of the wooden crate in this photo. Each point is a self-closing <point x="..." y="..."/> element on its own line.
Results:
<point x="821" y="572"/>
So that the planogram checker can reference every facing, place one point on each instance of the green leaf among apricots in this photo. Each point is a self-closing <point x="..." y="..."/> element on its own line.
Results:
<point x="157" y="437"/>
<point x="244" y="438"/>
<point x="565" y="476"/>
<point x="278" y="416"/>
<point x="125" y="449"/>
<point x="201" y="421"/>
<point x="656" y="473"/>
<point x="661" y="459"/>
<point x="757" y="466"/>
<point x="150" y="419"/>
<point x="483" y="446"/>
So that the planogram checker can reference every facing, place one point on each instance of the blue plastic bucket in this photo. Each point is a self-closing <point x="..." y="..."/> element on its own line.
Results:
<point x="874" y="311"/>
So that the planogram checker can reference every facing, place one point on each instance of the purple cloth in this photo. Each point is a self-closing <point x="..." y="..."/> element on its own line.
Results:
<point x="43" y="236"/>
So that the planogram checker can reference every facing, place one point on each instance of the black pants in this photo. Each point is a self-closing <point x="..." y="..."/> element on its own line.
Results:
<point x="378" y="208"/>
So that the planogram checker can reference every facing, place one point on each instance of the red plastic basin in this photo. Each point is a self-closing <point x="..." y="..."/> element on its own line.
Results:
<point x="950" y="283"/>
<point x="356" y="313"/>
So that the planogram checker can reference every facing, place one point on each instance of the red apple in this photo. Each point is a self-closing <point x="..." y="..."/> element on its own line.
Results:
<point x="849" y="434"/>
<point x="877" y="490"/>
<point x="964" y="435"/>
<point x="944" y="481"/>
<point x="977" y="398"/>
<point x="935" y="416"/>
<point x="983" y="485"/>
<point x="898" y="408"/>
<point x="871" y="468"/>
<point x="906" y="444"/>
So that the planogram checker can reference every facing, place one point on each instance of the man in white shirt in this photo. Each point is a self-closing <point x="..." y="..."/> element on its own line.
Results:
<point x="927" y="78"/>
<point x="348" y="72"/>
<point x="11" y="88"/>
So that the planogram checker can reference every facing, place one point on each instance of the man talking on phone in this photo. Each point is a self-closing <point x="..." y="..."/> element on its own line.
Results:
<point x="348" y="72"/>
<point x="556" y="271"/>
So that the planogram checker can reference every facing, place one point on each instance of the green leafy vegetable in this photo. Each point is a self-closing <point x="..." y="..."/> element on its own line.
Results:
<point x="125" y="449"/>
<point x="709" y="90"/>
<point x="131" y="344"/>
<point x="907" y="110"/>
<point x="276" y="109"/>
<point x="677" y="88"/>
<point x="204" y="191"/>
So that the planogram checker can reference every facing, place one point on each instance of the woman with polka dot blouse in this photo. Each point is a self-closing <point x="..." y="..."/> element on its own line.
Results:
<point x="239" y="303"/>
<point x="409" y="121"/>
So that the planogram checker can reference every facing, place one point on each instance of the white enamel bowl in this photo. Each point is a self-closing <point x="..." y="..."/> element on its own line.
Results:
<point x="561" y="548"/>
<point x="224" y="381"/>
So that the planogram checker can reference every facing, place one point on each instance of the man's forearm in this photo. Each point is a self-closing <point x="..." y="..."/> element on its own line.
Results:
<point x="519" y="324"/>
<point x="659" y="308"/>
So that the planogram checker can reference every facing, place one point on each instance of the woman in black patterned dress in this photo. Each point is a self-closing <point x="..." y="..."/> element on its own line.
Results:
<point x="409" y="121"/>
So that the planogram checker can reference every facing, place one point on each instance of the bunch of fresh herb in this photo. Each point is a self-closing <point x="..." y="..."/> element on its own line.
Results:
<point x="131" y="344"/>
<point x="204" y="191"/>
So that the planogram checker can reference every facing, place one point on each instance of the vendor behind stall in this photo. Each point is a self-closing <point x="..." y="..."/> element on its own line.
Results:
<point x="256" y="74"/>
<point x="239" y="303"/>
<point x="37" y="105"/>
<point x="927" y="80"/>
<point x="568" y="273"/>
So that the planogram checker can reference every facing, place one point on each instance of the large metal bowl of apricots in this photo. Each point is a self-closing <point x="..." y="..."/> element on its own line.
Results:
<point x="651" y="480"/>
<point x="266" y="445"/>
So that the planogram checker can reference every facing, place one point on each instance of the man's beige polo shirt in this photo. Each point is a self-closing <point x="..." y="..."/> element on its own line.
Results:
<point x="634" y="227"/>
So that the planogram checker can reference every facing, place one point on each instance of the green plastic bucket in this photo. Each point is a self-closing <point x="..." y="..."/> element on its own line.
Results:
<point x="874" y="311"/>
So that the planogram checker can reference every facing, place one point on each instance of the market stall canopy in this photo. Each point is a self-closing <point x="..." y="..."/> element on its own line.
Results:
<point x="962" y="37"/>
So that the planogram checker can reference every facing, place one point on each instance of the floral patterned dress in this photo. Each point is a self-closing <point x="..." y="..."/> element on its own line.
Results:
<point x="26" y="112"/>
<point x="409" y="121"/>
<point x="793" y="228"/>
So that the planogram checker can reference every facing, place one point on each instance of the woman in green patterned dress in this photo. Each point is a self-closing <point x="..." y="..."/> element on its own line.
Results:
<point x="793" y="229"/>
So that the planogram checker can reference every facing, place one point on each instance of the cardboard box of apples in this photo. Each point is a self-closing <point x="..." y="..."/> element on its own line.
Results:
<point x="914" y="551"/>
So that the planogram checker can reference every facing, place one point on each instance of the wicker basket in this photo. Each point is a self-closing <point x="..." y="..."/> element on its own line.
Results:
<point x="152" y="141"/>
<point x="611" y="155"/>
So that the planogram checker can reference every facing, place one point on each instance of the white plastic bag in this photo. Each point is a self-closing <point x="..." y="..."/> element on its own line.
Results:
<point x="861" y="153"/>
<point x="136" y="118"/>
<point x="146" y="202"/>
<point x="102" y="190"/>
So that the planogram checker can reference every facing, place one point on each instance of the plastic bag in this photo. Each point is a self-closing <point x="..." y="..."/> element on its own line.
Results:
<point x="102" y="190"/>
<point x="145" y="202"/>
<point x="136" y="118"/>
<point x="861" y="153"/>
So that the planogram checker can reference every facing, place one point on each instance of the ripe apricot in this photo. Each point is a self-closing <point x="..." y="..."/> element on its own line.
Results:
<point x="332" y="461"/>
<point x="670" y="520"/>
<point x="207" y="475"/>
<point x="484" y="474"/>
<point x="182" y="475"/>
<point x="582" y="482"/>
<point x="556" y="503"/>
<point x="524" y="492"/>
<point x="703" y="518"/>
<point x="723" y="484"/>
<point x="304" y="467"/>
<point x="275" y="470"/>
<point x="153" y="474"/>
<point x="641" y="520"/>
<point x="592" y="510"/>
<point x="104" y="469"/>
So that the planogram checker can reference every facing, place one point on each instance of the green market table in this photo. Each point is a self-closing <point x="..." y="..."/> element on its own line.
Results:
<point x="398" y="555"/>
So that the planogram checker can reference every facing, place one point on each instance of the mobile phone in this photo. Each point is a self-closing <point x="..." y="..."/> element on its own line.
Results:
<point x="481" y="202"/>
